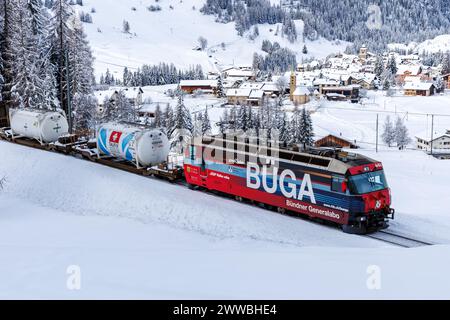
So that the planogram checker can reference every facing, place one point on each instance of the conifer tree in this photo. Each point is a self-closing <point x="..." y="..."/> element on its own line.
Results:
<point x="388" y="134"/>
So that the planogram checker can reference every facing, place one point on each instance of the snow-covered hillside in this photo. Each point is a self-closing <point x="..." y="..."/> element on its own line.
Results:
<point x="171" y="35"/>
<point x="439" y="44"/>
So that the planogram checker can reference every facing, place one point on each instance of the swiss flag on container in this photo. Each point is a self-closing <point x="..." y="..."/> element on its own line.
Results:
<point x="115" y="137"/>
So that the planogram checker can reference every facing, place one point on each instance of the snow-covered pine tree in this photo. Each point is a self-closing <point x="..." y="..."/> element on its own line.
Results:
<point x="379" y="66"/>
<point x="220" y="88"/>
<point x="8" y="42"/>
<point x="81" y="74"/>
<point x="306" y="129"/>
<point x="198" y="121"/>
<point x="295" y="133"/>
<point x="388" y="134"/>
<point x="305" y="49"/>
<point x="60" y="34"/>
<point x="233" y="121"/>
<point x="401" y="134"/>
<point x="169" y="119"/>
<point x="183" y="127"/>
<point x="392" y="65"/>
<point x="206" y="123"/>
<point x="283" y="128"/>
<point x="158" y="121"/>
<point x="224" y="121"/>
<point x="182" y="117"/>
<point x="85" y="113"/>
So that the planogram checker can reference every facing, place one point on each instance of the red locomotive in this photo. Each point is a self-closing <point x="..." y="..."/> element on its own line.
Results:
<point x="346" y="188"/>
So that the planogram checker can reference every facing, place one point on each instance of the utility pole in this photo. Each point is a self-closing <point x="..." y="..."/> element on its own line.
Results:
<point x="377" y="135"/>
<point x="432" y="132"/>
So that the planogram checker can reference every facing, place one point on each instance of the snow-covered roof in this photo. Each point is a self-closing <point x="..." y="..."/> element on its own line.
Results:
<point x="256" y="94"/>
<point x="327" y="82"/>
<point x="251" y="85"/>
<point x="412" y="69"/>
<point x="418" y="85"/>
<point x="301" y="91"/>
<point x="238" y="92"/>
<point x="337" y="95"/>
<point x="239" y="73"/>
<point x="412" y="79"/>
<point x="198" y="83"/>
<point x="270" y="86"/>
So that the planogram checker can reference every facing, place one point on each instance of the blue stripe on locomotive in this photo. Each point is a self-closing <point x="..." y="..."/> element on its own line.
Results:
<point x="322" y="193"/>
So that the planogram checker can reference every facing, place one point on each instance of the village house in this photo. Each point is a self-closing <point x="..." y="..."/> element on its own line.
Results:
<point x="133" y="95"/>
<point x="441" y="141"/>
<point x="319" y="84"/>
<point x="207" y="86"/>
<point x="332" y="141"/>
<point x="446" y="78"/>
<point x="342" y="93"/>
<point x="244" y="74"/>
<point x="419" y="89"/>
<point x="253" y="97"/>
<point x="404" y="71"/>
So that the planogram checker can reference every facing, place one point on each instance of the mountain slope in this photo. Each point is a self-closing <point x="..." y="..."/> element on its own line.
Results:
<point x="171" y="34"/>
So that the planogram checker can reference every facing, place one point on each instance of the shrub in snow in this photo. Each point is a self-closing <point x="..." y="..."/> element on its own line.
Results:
<point x="203" y="42"/>
<point x="153" y="8"/>
<point x="126" y="26"/>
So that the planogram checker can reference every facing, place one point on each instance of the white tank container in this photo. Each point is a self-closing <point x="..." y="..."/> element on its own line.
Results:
<point x="43" y="125"/>
<point x="143" y="146"/>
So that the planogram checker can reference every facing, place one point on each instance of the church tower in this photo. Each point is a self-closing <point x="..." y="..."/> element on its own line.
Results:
<point x="363" y="54"/>
<point x="293" y="85"/>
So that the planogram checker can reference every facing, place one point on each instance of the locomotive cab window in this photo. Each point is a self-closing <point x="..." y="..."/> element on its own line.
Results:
<point x="338" y="184"/>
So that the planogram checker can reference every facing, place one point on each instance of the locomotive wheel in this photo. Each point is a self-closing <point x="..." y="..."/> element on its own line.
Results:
<point x="281" y="210"/>
<point x="240" y="199"/>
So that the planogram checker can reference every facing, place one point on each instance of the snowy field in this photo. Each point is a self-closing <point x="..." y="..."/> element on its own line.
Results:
<point x="171" y="35"/>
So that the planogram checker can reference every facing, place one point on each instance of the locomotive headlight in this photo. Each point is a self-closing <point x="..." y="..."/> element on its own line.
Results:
<point x="362" y="218"/>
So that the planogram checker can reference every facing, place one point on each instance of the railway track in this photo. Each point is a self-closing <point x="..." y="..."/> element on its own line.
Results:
<point x="398" y="240"/>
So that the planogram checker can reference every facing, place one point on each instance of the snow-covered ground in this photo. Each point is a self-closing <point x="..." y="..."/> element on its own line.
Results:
<point x="171" y="35"/>
<point x="135" y="237"/>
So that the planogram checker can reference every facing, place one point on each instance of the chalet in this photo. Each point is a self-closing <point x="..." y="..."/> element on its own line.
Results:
<point x="419" y="89"/>
<point x="190" y="86"/>
<point x="243" y="74"/>
<point x="332" y="141"/>
<point x="134" y="96"/>
<point x="404" y="71"/>
<point x="301" y="95"/>
<point x="342" y="93"/>
<point x="319" y="84"/>
<point x="441" y="141"/>
<point x="271" y="89"/>
<point x="240" y="96"/>
<point x="446" y="78"/>
<point x="365" y="80"/>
